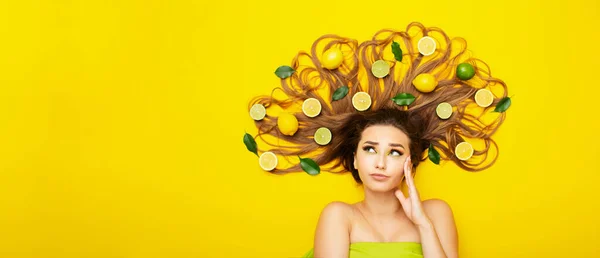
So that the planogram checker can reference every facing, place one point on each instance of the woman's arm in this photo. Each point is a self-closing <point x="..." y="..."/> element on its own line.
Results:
<point x="438" y="237"/>
<point x="332" y="237"/>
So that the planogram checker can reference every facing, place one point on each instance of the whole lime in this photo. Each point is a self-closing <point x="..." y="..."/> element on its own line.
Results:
<point x="465" y="71"/>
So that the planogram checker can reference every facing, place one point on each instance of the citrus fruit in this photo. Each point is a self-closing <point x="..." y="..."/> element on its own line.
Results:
<point x="465" y="71"/>
<point x="332" y="58"/>
<point x="311" y="107"/>
<point x="425" y="82"/>
<point x="258" y="112"/>
<point x="444" y="110"/>
<point x="322" y="136"/>
<point x="426" y="46"/>
<point x="484" y="98"/>
<point x="463" y="151"/>
<point x="380" y="68"/>
<point x="267" y="161"/>
<point x="361" y="101"/>
<point x="287" y="123"/>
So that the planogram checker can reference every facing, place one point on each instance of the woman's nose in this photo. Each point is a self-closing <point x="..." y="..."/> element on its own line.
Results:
<point x="380" y="162"/>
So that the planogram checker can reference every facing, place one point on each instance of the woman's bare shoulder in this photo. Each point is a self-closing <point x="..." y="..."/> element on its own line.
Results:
<point x="437" y="209"/>
<point x="337" y="207"/>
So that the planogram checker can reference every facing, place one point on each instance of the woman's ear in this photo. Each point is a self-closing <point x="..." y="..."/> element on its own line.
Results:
<point x="354" y="160"/>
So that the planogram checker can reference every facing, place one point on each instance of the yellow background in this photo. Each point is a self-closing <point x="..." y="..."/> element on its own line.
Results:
<point x="121" y="127"/>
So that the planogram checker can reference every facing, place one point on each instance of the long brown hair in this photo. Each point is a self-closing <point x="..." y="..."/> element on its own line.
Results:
<point x="418" y="120"/>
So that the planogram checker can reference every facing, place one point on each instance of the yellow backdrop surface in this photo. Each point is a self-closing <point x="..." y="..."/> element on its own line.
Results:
<point x="121" y="127"/>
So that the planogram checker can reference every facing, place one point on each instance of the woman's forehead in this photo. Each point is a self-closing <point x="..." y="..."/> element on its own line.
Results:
<point x="384" y="134"/>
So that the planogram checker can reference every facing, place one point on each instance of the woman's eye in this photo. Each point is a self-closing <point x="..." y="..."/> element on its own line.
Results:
<point x="396" y="153"/>
<point x="369" y="149"/>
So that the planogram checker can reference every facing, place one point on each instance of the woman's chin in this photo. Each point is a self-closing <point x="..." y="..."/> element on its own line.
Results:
<point x="380" y="187"/>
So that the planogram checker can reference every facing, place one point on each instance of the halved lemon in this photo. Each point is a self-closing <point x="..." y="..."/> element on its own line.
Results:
<point x="322" y="136"/>
<point x="444" y="110"/>
<point x="380" y="68"/>
<point x="361" y="101"/>
<point x="463" y="151"/>
<point x="311" y="107"/>
<point x="484" y="98"/>
<point x="426" y="46"/>
<point x="267" y="161"/>
<point x="258" y="112"/>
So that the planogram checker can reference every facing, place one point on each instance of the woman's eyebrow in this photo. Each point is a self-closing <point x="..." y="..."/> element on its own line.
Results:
<point x="391" y="144"/>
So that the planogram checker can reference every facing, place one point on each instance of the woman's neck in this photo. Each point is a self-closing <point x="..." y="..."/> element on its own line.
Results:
<point x="381" y="203"/>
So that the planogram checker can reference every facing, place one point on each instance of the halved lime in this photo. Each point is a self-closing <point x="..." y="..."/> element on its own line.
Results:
<point x="361" y="101"/>
<point x="444" y="110"/>
<point x="322" y="136"/>
<point x="311" y="107"/>
<point x="268" y="161"/>
<point x="258" y="112"/>
<point x="426" y="46"/>
<point x="463" y="151"/>
<point x="380" y="68"/>
<point x="484" y="98"/>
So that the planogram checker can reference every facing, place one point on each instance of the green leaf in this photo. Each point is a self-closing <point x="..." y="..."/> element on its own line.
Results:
<point x="340" y="93"/>
<point x="284" y="71"/>
<point x="434" y="156"/>
<point x="403" y="99"/>
<point x="309" y="166"/>
<point x="503" y="105"/>
<point x="250" y="143"/>
<point x="397" y="51"/>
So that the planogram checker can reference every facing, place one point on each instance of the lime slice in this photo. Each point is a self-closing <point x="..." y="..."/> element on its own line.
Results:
<point x="258" y="112"/>
<point x="311" y="107"/>
<point x="361" y="101"/>
<point x="380" y="68"/>
<point x="322" y="136"/>
<point x="426" y="46"/>
<point x="484" y="98"/>
<point x="444" y="110"/>
<point x="463" y="151"/>
<point x="267" y="161"/>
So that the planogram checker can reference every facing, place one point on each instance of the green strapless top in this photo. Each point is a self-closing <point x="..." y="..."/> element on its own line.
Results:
<point x="381" y="250"/>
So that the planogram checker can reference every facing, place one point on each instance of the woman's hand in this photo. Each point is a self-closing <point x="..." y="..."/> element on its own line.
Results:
<point x="412" y="206"/>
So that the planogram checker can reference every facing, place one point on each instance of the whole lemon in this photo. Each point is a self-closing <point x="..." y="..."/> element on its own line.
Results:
<point x="332" y="58"/>
<point x="287" y="123"/>
<point x="425" y="82"/>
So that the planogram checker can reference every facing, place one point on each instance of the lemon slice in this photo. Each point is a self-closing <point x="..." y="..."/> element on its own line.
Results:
<point x="258" y="112"/>
<point x="361" y="101"/>
<point x="484" y="98"/>
<point x="426" y="46"/>
<point x="463" y="151"/>
<point x="311" y="107"/>
<point x="380" y="68"/>
<point x="444" y="110"/>
<point x="322" y="136"/>
<point x="267" y="161"/>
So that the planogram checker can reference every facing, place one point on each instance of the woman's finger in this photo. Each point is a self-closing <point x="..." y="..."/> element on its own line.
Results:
<point x="410" y="180"/>
<point x="403" y="200"/>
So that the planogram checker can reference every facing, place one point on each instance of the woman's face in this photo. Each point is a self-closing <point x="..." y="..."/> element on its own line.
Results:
<point x="380" y="156"/>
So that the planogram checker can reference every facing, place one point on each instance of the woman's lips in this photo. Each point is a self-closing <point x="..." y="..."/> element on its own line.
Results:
<point x="379" y="177"/>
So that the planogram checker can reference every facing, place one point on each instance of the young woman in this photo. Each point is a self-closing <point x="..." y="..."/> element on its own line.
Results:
<point x="381" y="145"/>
